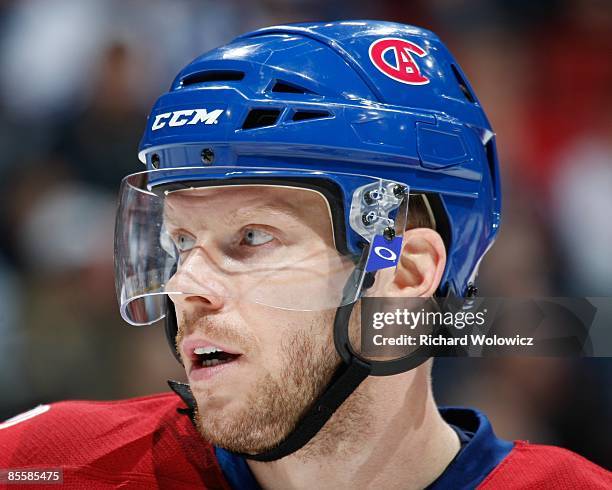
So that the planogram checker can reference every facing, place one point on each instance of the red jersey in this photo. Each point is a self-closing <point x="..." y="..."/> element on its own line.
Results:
<point x="147" y="443"/>
<point x="138" y="443"/>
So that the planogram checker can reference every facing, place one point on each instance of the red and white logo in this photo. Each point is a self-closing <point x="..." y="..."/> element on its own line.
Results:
<point x="405" y="69"/>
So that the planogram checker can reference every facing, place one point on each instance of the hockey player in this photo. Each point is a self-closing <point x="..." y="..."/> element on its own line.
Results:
<point x="290" y="174"/>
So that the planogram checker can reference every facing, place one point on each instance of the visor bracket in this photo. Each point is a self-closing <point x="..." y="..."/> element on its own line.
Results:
<point x="372" y="207"/>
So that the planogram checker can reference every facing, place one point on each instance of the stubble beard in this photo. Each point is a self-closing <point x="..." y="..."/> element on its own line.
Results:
<point x="274" y="405"/>
<point x="276" y="402"/>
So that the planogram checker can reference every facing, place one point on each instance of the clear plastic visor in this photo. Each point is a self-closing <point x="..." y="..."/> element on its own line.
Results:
<point x="223" y="242"/>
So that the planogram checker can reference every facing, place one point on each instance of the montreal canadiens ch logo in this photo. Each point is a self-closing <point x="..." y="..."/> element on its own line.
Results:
<point x="404" y="69"/>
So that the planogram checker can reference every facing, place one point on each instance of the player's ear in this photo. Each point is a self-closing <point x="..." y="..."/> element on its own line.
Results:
<point x="419" y="269"/>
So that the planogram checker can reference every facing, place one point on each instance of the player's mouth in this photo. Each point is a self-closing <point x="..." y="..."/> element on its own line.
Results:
<point x="206" y="360"/>
<point x="212" y="356"/>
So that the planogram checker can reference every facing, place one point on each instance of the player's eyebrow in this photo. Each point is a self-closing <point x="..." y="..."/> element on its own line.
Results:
<point x="253" y="206"/>
<point x="275" y="206"/>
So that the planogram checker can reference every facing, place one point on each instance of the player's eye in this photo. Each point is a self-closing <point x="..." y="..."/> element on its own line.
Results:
<point x="254" y="237"/>
<point x="183" y="242"/>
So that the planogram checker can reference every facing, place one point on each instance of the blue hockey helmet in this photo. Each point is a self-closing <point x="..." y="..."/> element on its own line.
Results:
<point x="362" y="114"/>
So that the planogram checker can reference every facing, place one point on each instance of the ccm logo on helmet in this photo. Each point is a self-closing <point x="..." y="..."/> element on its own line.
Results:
<point x="405" y="69"/>
<point x="189" y="116"/>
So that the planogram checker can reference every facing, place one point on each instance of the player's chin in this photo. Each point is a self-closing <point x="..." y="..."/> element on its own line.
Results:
<point x="240" y="425"/>
<point x="217" y="401"/>
<point x="237" y="437"/>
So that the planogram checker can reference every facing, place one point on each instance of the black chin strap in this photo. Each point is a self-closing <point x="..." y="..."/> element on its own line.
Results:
<point x="346" y="380"/>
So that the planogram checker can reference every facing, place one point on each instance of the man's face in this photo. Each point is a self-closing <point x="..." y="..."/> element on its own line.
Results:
<point x="243" y="249"/>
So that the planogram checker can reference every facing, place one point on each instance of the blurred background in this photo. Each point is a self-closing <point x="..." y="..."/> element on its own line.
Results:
<point x="77" y="78"/>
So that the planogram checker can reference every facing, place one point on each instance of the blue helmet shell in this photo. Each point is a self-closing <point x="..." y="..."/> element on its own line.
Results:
<point x="329" y="97"/>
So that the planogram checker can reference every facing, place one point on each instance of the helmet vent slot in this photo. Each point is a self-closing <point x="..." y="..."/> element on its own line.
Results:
<point x="462" y="85"/>
<point x="289" y="88"/>
<point x="490" y="151"/>
<point x="259" y="118"/>
<point x="308" y="115"/>
<point x="213" y="76"/>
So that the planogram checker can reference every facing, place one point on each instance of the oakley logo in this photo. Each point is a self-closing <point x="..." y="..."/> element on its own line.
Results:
<point x="189" y="116"/>
<point x="385" y="253"/>
<point x="404" y="69"/>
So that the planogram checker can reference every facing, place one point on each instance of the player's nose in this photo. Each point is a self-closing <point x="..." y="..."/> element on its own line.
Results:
<point x="197" y="284"/>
